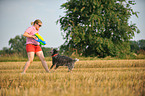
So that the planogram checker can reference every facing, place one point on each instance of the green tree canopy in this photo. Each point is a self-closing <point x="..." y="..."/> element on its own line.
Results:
<point x="97" y="27"/>
<point x="134" y="46"/>
<point x="17" y="45"/>
<point x="141" y="44"/>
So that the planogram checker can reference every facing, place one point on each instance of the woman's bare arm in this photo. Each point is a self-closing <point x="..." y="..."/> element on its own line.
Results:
<point x="28" y="35"/>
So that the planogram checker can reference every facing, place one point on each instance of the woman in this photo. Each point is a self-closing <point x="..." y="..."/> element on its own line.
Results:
<point x="32" y="46"/>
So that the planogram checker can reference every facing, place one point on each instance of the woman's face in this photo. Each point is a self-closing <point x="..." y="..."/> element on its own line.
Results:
<point x="37" y="26"/>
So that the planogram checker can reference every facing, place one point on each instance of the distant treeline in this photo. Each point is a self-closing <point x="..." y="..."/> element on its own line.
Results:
<point x="17" y="47"/>
<point x="138" y="47"/>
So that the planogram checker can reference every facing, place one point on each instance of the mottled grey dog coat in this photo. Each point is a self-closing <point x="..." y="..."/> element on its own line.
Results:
<point x="59" y="60"/>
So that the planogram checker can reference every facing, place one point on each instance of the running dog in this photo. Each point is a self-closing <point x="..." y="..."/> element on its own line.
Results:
<point x="59" y="60"/>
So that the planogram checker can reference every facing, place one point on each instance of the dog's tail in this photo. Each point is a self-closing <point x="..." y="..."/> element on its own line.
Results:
<point x="76" y="59"/>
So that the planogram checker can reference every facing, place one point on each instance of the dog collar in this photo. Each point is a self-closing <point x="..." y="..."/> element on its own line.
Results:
<point x="54" y="55"/>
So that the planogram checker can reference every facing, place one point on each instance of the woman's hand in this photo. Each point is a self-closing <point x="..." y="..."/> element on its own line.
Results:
<point x="34" y="37"/>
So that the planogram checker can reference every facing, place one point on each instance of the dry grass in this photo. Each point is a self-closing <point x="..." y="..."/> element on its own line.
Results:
<point x="89" y="78"/>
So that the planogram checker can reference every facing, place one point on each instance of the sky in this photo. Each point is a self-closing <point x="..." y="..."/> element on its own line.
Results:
<point x="16" y="16"/>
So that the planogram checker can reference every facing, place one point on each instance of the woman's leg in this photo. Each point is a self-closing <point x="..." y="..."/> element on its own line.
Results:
<point x="42" y="58"/>
<point x="30" y="60"/>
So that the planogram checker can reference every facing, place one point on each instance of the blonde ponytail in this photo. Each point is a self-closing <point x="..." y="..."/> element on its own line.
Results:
<point x="32" y="23"/>
<point x="36" y="21"/>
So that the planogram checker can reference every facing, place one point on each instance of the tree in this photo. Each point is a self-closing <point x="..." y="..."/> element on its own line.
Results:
<point x="17" y="45"/>
<point x="5" y="51"/>
<point x="137" y="45"/>
<point x="97" y="27"/>
<point x="141" y="44"/>
<point x="134" y="46"/>
<point x="46" y="51"/>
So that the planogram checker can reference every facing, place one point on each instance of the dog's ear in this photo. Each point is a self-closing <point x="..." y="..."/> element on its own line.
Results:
<point x="55" y="51"/>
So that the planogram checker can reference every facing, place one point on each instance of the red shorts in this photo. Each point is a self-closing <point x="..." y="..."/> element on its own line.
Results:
<point x="33" y="48"/>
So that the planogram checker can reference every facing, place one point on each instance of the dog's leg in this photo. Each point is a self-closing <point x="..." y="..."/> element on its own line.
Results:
<point x="51" y="66"/>
<point x="56" y="67"/>
<point x="70" y="68"/>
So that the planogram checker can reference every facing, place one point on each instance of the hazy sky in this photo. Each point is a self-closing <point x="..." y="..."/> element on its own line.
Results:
<point x="16" y="16"/>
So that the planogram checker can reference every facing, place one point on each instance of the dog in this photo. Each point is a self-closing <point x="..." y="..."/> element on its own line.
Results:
<point x="58" y="60"/>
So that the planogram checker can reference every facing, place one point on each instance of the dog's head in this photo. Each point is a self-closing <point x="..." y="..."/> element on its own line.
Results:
<point x="53" y="52"/>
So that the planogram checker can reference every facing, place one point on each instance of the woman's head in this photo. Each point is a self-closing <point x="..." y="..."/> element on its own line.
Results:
<point x="37" y="23"/>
